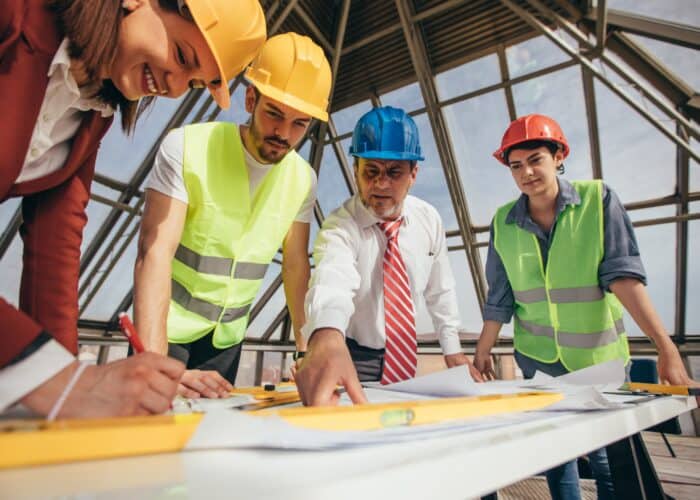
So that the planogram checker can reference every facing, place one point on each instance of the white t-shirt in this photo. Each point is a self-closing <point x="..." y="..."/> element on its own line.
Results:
<point x="166" y="176"/>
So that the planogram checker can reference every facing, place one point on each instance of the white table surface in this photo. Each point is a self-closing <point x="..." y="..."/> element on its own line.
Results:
<point x="460" y="466"/>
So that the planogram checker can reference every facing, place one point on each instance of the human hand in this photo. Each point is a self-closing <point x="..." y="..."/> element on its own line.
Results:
<point x="484" y="365"/>
<point x="670" y="366"/>
<point x="459" y="359"/>
<point x="326" y="365"/>
<point x="204" y="383"/>
<point x="143" y="384"/>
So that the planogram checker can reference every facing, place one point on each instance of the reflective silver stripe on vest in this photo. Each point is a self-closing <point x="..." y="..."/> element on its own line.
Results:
<point x="535" y="329"/>
<point x="221" y="266"/>
<point x="580" y="340"/>
<point x="531" y="295"/>
<point x="578" y="294"/>
<point x="205" y="309"/>
<point x="249" y="271"/>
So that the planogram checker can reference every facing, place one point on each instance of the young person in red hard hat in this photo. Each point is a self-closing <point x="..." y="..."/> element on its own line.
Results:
<point x="563" y="259"/>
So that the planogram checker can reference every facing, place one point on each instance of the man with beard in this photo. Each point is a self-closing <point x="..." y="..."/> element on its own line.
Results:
<point x="374" y="256"/>
<point x="221" y="200"/>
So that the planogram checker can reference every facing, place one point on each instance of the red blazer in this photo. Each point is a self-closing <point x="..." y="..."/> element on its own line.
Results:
<point x="53" y="207"/>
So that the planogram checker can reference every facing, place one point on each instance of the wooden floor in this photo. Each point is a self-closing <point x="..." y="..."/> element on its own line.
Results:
<point x="680" y="476"/>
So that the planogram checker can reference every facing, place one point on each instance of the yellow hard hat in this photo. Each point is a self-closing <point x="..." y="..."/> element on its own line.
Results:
<point x="235" y="31"/>
<point x="292" y="69"/>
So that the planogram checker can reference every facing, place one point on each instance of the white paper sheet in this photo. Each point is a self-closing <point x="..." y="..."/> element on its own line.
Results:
<point x="233" y="429"/>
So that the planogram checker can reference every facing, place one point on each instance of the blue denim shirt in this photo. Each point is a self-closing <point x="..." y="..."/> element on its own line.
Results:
<point x="621" y="257"/>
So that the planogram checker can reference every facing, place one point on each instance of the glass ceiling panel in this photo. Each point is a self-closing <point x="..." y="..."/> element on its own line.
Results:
<point x="532" y="55"/>
<point x="680" y="11"/>
<point x="683" y="61"/>
<point x="332" y="189"/>
<point x="346" y="118"/>
<point x="476" y="127"/>
<point x="120" y="155"/>
<point x="638" y="161"/>
<point x="97" y="212"/>
<point x="468" y="77"/>
<point x="7" y="210"/>
<point x="560" y="95"/>
<point x="431" y="185"/>
<point x="236" y="113"/>
<point x="408" y="98"/>
<point x="12" y="272"/>
<point x="692" y="316"/>
<point x="657" y="246"/>
<point x="117" y="284"/>
<point x="267" y="315"/>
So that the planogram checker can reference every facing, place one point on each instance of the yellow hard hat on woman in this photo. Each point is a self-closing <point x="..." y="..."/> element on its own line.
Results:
<point x="293" y="70"/>
<point x="234" y="31"/>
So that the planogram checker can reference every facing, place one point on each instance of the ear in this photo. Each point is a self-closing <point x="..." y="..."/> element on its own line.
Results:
<point x="250" y="99"/>
<point x="414" y="173"/>
<point x="132" y="5"/>
<point x="559" y="157"/>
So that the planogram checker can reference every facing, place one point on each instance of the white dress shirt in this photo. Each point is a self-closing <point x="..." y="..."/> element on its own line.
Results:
<point x="62" y="111"/>
<point x="60" y="116"/>
<point x="166" y="176"/>
<point x="347" y="286"/>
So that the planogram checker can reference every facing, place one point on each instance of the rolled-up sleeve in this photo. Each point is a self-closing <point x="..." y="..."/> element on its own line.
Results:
<point x="500" y="302"/>
<point x="335" y="280"/>
<point x="621" y="258"/>
<point x="441" y="298"/>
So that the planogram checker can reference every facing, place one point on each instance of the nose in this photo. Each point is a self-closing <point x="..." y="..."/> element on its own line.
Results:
<point x="282" y="129"/>
<point x="382" y="180"/>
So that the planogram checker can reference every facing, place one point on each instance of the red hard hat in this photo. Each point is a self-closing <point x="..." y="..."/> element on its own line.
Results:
<point x="531" y="128"/>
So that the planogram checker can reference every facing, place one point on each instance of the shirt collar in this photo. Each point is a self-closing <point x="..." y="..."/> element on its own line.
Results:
<point x="84" y="97"/>
<point x="365" y="218"/>
<point x="567" y="196"/>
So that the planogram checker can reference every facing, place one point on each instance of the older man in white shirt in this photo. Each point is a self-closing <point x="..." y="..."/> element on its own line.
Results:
<point x="374" y="256"/>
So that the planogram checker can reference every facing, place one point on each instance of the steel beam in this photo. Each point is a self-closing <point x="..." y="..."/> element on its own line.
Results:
<point x="421" y="65"/>
<point x="683" y="182"/>
<point x="10" y="231"/>
<point x="592" y="119"/>
<point x="601" y="29"/>
<point x="505" y="77"/>
<point x="346" y="169"/>
<point x="299" y="9"/>
<point x="545" y="30"/>
<point x="335" y="63"/>
<point x="630" y="78"/>
<point x="684" y="35"/>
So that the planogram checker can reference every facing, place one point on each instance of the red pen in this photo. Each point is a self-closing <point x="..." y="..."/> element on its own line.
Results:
<point x="128" y="328"/>
<point x="130" y="331"/>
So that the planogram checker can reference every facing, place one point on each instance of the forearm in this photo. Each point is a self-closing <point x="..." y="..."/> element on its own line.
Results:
<point x="152" y="291"/>
<point x="488" y="336"/>
<point x="634" y="297"/>
<point x="296" y="279"/>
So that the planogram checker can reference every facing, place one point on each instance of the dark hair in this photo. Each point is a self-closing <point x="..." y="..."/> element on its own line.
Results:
<point x="92" y="27"/>
<point x="551" y="146"/>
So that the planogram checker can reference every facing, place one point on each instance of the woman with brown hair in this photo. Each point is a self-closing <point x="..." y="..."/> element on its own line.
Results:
<point x="65" y="67"/>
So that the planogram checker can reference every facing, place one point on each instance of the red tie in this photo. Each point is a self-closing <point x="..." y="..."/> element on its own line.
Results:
<point x="400" y="356"/>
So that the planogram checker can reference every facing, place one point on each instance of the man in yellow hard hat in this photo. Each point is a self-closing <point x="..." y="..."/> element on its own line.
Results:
<point x="221" y="200"/>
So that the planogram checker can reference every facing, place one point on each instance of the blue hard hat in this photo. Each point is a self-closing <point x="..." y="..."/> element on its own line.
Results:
<point x="386" y="134"/>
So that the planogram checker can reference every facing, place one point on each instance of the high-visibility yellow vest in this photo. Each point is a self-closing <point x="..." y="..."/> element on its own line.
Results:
<point x="228" y="239"/>
<point x="561" y="312"/>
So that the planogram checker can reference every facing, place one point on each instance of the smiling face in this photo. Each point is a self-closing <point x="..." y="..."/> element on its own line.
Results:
<point x="159" y="52"/>
<point x="384" y="184"/>
<point x="535" y="170"/>
<point x="274" y="128"/>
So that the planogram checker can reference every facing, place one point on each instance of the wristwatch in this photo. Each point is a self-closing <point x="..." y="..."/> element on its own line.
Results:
<point x="298" y="355"/>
